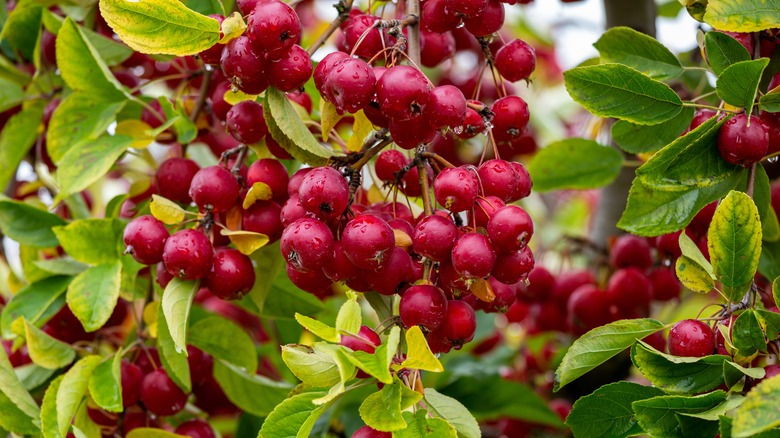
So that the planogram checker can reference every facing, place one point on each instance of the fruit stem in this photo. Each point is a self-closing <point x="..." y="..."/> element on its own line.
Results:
<point x="369" y="153"/>
<point x="202" y="93"/>
<point x="413" y="37"/>
<point x="714" y="108"/>
<point x="343" y="7"/>
<point x="437" y="158"/>
<point x="423" y="174"/>
<point x="751" y="180"/>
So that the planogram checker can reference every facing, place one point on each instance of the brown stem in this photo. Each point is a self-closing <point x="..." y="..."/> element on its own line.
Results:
<point x="423" y="174"/>
<point x="202" y="94"/>
<point x="413" y="10"/>
<point x="343" y="8"/>
<point x="751" y="180"/>
<point x="438" y="158"/>
<point x="369" y="153"/>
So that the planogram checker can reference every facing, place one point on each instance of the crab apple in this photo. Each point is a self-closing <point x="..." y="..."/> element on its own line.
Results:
<point x="367" y="240"/>
<point x="145" y="239"/>
<point x="513" y="266"/>
<point x="629" y="250"/>
<point x="263" y="217"/>
<point x="691" y="338"/>
<point x="350" y="85"/>
<point x="195" y="428"/>
<point x="524" y="183"/>
<point x="160" y="395"/>
<point x="410" y="133"/>
<point x="244" y="67"/>
<point x="131" y="376"/>
<point x="664" y="284"/>
<point x="291" y="70"/>
<point x="340" y="267"/>
<point x="246" y="123"/>
<point x="295" y="180"/>
<point x="188" y="254"/>
<point x="630" y="288"/>
<point x="396" y="271"/>
<point x="424" y="305"/>
<point x="214" y="189"/>
<point x="437" y="17"/>
<point x="540" y="285"/>
<point x="306" y="244"/>
<point x="446" y="107"/>
<point x="368" y="432"/>
<point x="324" y="67"/>
<point x="505" y="296"/>
<point x="700" y="117"/>
<point x="388" y="163"/>
<point x="433" y="237"/>
<point x="201" y="364"/>
<point x="436" y="48"/>
<point x="485" y="208"/>
<point x="219" y="107"/>
<point x="402" y="92"/>
<point x="360" y="29"/>
<point x="273" y="174"/>
<point x="473" y="124"/>
<point x="292" y="211"/>
<point x="516" y="60"/>
<point x="467" y="8"/>
<point x="487" y="22"/>
<point x="273" y="27"/>
<point x="366" y="340"/>
<point x="510" y="118"/>
<point x="588" y="308"/>
<point x="498" y="179"/>
<point x="232" y="275"/>
<point x="173" y="177"/>
<point x="136" y="418"/>
<point x="456" y="189"/>
<point x="213" y="54"/>
<point x="314" y="282"/>
<point x="324" y="192"/>
<point x="459" y="324"/>
<point x="473" y="256"/>
<point x="743" y="141"/>
<point x="510" y="228"/>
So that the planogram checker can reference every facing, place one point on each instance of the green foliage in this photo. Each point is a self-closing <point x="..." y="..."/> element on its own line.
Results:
<point x="638" y="139"/>
<point x="453" y="411"/>
<point x="105" y="385"/>
<point x="616" y="90"/>
<point x="176" y="303"/>
<point x="224" y="339"/>
<point x="723" y="51"/>
<point x="596" y="166"/>
<point x="92" y="241"/>
<point x="174" y="361"/>
<point x="86" y="163"/>
<point x="72" y="391"/>
<point x="46" y="351"/>
<point x="35" y="303"/>
<point x="600" y="344"/>
<point x="252" y="393"/>
<point x="742" y="15"/>
<point x="758" y="413"/>
<point x="286" y="127"/>
<point x="383" y="410"/>
<point x="738" y="83"/>
<point x="18" y="135"/>
<point x="293" y="417"/>
<point x="678" y="375"/>
<point x="664" y="415"/>
<point x="19" y="411"/>
<point x="92" y="295"/>
<point x="637" y="50"/>
<point x="607" y="411"/>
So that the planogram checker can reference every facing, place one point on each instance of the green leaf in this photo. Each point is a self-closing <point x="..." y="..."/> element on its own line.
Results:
<point x="36" y="302"/>
<point x="713" y="414"/>
<point x="176" y="304"/>
<point x="733" y="373"/>
<point x="600" y="344"/>
<point x="734" y="242"/>
<point x="252" y="393"/>
<point x="345" y="368"/>
<point x="746" y="334"/>
<point x="311" y="364"/>
<point x="624" y="45"/>
<point x="174" y="362"/>
<point x="637" y="139"/>
<point x="420" y="426"/>
<point x="770" y="323"/>
<point x="655" y="415"/>
<point x="349" y="317"/>
<point x="49" y="409"/>
<point x="88" y="162"/>
<point x="489" y="397"/>
<point x="282" y="300"/>
<point x="738" y="83"/>
<point x="690" y="161"/>
<point x="17" y="137"/>
<point x="186" y="131"/>
<point x="81" y="66"/>
<point x="160" y="26"/>
<point x="11" y="94"/>
<point x="61" y="265"/>
<point x="607" y="411"/>
<point x="596" y="165"/>
<point x="377" y="364"/>
<point x="293" y="417"/>
<point x="678" y="375"/>
<point x="418" y="353"/>
<point x="151" y="432"/>
<point x="286" y="127"/>
<point x="762" y="196"/>
<point x="72" y="391"/>
<point x="723" y="51"/>
<point x="758" y="411"/>
<point x="770" y="102"/>
<point x="318" y="328"/>
<point x="269" y="263"/>
<point x="105" y="385"/>
<point x="382" y="410"/>
<point x="22" y="27"/>
<point x="19" y="411"/>
<point x="652" y="212"/>
<point x="742" y="15"/>
<point x="28" y="225"/>
<point x="79" y="118"/>
<point x="45" y="350"/>
<point x="111" y="52"/>
<point x="224" y="339"/>
<point x="93" y="294"/>
<point x="453" y="411"/>
<point x="93" y="241"/>
<point x="616" y="90"/>
<point x="693" y="276"/>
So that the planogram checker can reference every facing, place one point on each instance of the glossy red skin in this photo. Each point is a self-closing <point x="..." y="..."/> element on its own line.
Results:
<point x="362" y="26"/>
<point x="145" y="239"/>
<point x="541" y="283"/>
<point x="630" y="288"/>
<point x="201" y="364"/>
<point x="291" y="70"/>
<point x="402" y="92"/>
<point x="350" y="85"/>
<point x="487" y="22"/>
<point x="188" y="254"/>
<point x="396" y="271"/>
<point x="324" y="192"/>
<point x="273" y="174"/>
<point x="741" y="144"/>
<point x="588" y="308"/>
<point x="467" y="8"/>
<point x="498" y="179"/>
<point x="691" y="338"/>
<point x="314" y="282"/>
<point x="273" y="27"/>
<point x="505" y="297"/>
<point x="131" y="377"/>
<point x="513" y="266"/>
<point x="510" y="228"/>
<point x="246" y="123"/>
<point x="423" y="305"/>
<point x="446" y="107"/>
<point x="516" y="60"/>
<point x="436" y="17"/>
<point x="213" y="54"/>
<point x="473" y="256"/>
<point x="160" y="395"/>
<point x="367" y="432"/>
<point x="263" y="217"/>
<point x="173" y="177"/>
<point x="232" y="275"/>
<point x="388" y="163"/>
<point x="524" y="182"/>
<point x="367" y="240"/>
<point x="459" y="325"/>
<point x="630" y="251"/>
<point x="214" y="188"/>
<point x="456" y="189"/>
<point x="307" y="244"/>
<point x="436" y="48"/>
<point x="244" y="66"/>
<point x="195" y="428"/>
<point x="366" y="340"/>
<point x="434" y="237"/>
<point x="324" y="67"/>
<point x="511" y="118"/>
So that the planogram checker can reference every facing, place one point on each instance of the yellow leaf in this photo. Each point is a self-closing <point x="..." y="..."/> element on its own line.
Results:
<point x="259" y="191"/>
<point x="166" y="211"/>
<point x="482" y="289"/>
<point x="418" y="354"/>
<point x="137" y="130"/>
<point x="329" y="117"/>
<point x="148" y="432"/>
<point x="361" y="127"/>
<point x="150" y="317"/>
<point x="246" y="241"/>
<point x="234" y="97"/>
<point x="232" y="28"/>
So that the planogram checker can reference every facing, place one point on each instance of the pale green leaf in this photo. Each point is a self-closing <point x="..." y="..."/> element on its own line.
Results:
<point x="312" y="365"/>
<point x="318" y="328"/>
<point x="758" y="411"/>
<point x="224" y="339"/>
<point x="635" y="49"/>
<point x="36" y="302"/>
<point x="105" y="384"/>
<point x="421" y="426"/>
<point x="590" y="165"/>
<point x="176" y="304"/>
<point x="253" y="393"/>
<point x="293" y="417"/>
<point x="453" y="411"/>
<point x="72" y="391"/>
<point x="742" y="15"/>
<point x="17" y="136"/>
<point x="93" y="294"/>
<point x="28" y="225"/>
<point x="288" y="130"/>
<point x="175" y="362"/>
<point x="45" y="350"/>
<point x="88" y="162"/>
<point x="92" y="241"/>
